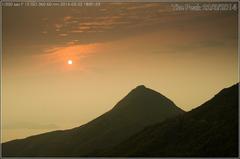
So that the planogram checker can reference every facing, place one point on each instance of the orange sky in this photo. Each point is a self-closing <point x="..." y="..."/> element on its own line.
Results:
<point x="187" y="56"/>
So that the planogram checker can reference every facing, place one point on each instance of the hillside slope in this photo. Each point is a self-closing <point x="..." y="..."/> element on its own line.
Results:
<point x="140" y="108"/>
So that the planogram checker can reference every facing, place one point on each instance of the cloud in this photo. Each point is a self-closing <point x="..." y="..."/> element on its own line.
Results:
<point x="63" y="34"/>
<point x="196" y="45"/>
<point x="67" y="18"/>
<point x="113" y="21"/>
<point x="108" y="18"/>
<point x="106" y="23"/>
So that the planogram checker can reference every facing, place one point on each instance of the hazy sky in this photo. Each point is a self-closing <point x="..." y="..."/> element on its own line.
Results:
<point x="186" y="56"/>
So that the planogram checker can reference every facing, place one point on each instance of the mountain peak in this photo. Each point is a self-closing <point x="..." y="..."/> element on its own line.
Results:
<point x="142" y="90"/>
<point x="139" y="90"/>
<point x="140" y="87"/>
<point x="142" y="98"/>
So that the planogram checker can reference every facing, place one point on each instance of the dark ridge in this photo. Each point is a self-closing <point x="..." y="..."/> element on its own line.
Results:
<point x="211" y="130"/>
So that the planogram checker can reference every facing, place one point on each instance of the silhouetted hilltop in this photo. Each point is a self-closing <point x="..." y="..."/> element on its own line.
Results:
<point x="142" y="100"/>
<point x="140" y="108"/>
<point x="211" y="130"/>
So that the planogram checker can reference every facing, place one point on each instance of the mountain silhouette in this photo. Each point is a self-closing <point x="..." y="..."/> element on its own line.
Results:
<point x="140" y="108"/>
<point x="211" y="130"/>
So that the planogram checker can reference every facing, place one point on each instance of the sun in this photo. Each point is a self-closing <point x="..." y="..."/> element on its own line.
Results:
<point x="70" y="62"/>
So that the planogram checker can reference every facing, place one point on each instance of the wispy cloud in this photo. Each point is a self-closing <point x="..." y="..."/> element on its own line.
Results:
<point x="67" y="18"/>
<point x="109" y="22"/>
<point x="121" y="20"/>
<point x="108" y="18"/>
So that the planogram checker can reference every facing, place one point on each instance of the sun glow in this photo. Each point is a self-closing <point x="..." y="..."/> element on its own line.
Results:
<point x="70" y="57"/>
<point x="70" y="62"/>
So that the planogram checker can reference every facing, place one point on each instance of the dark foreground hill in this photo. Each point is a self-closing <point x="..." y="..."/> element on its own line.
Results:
<point x="140" y="108"/>
<point x="210" y="130"/>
